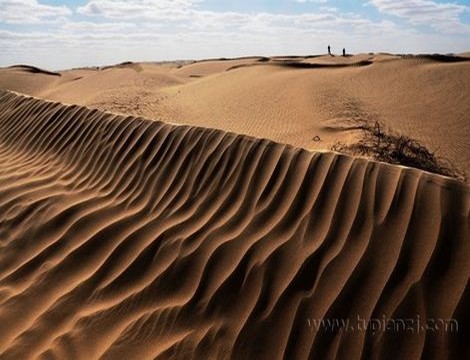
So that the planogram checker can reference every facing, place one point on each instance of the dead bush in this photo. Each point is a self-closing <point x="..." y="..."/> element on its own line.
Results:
<point x="394" y="148"/>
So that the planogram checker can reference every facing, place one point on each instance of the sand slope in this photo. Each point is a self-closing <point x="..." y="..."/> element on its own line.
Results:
<point x="127" y="238"/>
<point x="287" y="99"/>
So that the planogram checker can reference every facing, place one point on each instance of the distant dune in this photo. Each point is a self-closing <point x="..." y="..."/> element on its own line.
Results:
<point x="128" y="238"/>
<point x="310" y="102"/>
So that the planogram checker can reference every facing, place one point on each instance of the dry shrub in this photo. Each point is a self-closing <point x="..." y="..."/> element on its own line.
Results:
<point x="394" y="148"/>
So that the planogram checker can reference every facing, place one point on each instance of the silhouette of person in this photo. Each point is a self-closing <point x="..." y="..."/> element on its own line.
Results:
<point x="344" y="52"/>
<point x="329" y="50"/>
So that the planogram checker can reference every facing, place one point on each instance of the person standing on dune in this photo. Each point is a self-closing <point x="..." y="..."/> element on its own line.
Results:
<point x="344" y="52"/>
<point x="329" y="50"/>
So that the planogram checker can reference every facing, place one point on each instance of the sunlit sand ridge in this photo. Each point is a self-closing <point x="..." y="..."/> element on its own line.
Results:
<point x="128" y="238"/>
<point x="310" y="102"/>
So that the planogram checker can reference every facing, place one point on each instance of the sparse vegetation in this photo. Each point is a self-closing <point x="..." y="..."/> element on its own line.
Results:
<point x="393" y="148"/>
<point x="449" y="58"/>
<point x="35" y="70"/>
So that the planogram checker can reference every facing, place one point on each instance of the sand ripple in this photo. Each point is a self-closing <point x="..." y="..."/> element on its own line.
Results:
<point x="127" y="238"/>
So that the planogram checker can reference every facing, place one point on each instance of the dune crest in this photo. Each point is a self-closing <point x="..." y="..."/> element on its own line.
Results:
<point x="123" y="237"/>
<point x="304" y="101"/>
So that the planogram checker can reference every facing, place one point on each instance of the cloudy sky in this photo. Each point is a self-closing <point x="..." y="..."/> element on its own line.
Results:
<point x="59" y="34"/>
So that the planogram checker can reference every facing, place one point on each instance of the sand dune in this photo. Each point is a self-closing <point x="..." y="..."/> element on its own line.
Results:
<point x="291" y="100"/>
<point x="128" y="238"/>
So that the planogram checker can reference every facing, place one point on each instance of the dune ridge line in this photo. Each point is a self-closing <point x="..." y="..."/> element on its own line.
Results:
<point x="128" y="238"/>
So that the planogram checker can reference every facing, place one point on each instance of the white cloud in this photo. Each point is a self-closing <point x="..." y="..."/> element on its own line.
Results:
<point x="443" y="16"/>
<point x="183" y="15"/>
<point x="186" y="14"/>
<point x="311" y="1"/>
<point x="71" y="48"/>
<point x="137" y="8"/>
<point x="138" y="30"/>
<point x="91" y="27"/>
<point x="30" y="11"/>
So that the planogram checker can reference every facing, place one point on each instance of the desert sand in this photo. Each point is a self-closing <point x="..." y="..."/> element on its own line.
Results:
<point x="125" y="234"/>
<point x="424" y="97"/>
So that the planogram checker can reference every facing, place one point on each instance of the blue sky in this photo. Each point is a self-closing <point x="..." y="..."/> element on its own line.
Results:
<point x="58" y="34"/>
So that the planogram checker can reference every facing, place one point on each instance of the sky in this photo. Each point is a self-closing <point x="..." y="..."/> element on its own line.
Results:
<point x="62" y="34"/>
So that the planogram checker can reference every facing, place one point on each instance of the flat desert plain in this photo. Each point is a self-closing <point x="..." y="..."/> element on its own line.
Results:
<point x="252" y="208"/>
